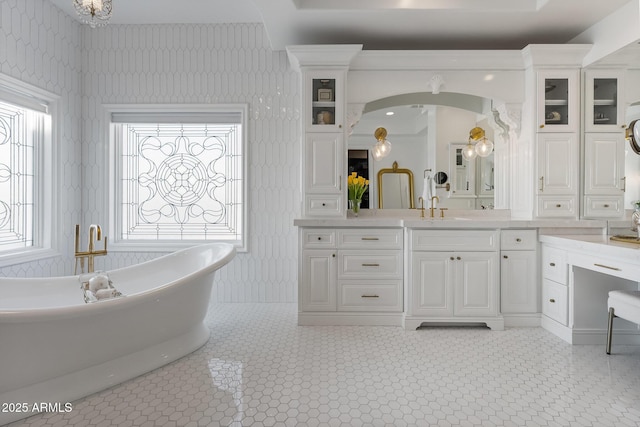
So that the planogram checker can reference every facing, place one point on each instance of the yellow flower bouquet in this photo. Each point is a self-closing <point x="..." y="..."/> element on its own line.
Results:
<point x="356" y="185"/>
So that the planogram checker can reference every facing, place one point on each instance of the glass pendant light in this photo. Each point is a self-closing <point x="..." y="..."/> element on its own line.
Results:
<point x="469" y="152"/>
<point x="383" y="146"/>
<point x="484" y="147"/>
<point x="96" y="13"/>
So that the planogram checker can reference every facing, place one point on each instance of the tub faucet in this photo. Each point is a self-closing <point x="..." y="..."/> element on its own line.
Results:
<point x="95" y="233"/>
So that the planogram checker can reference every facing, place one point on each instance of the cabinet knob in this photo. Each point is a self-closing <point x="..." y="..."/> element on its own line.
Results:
<point x="552" y="300"/>
<point x="452" y="258"/>
<point x="606" y="206"/>
<point x="518" y="240"/>
<point x="505" y="257"/>
<point x="541" y="126"/>
<point x="552" y="264"/>
<point x="333" y="255"/>
<point x="558" y="206"/>
<point x="319" y="238"/>
<point x="458" y="258"/>
<point x="324" y="204"/>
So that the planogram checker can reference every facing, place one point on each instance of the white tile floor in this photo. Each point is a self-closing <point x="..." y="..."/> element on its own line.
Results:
<point x="259" y="368"/>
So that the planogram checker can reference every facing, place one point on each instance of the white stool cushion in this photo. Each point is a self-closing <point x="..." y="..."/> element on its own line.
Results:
<point x="626" y="304"/>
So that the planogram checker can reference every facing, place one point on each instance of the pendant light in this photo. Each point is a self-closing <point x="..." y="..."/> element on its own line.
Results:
<point x="96" y="13"/>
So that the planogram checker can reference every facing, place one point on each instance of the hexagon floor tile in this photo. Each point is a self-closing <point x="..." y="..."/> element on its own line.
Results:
<point x="260" y="369"/>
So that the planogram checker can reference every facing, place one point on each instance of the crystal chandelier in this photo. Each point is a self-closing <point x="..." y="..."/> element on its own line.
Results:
<point x="96" y="13"/>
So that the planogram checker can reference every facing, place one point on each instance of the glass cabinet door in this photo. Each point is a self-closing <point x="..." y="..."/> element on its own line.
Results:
<point x="326" y="100"/>
<point x="603" y="106"/>
<point x="558" y="101"/>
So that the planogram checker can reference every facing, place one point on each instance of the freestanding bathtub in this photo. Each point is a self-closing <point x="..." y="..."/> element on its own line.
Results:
<point x="55" y="348"/>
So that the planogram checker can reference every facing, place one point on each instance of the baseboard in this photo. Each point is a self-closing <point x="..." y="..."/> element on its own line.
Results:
<point x="522" y="320"/>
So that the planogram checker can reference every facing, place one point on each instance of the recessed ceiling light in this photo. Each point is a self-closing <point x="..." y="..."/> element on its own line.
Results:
<point x="390" y="113"/>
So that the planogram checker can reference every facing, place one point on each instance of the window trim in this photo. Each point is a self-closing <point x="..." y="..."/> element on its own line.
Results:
<point x="111" y="180"/>
<point x="45" y="239"/>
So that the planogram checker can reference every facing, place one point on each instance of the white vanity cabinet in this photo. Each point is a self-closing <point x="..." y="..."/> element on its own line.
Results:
<point x="519" y="277"/>
<point x="557" y="186"/>
<point x="351" y="276"/>
<point x="453" y="277"/>
<point x="323" y="76"/>
<point x="557" y="136"/>
<point x="555" y="290"/>
<point x="323" y="153"/>
<point x="604" y="163"/>
<point x="604" y="180"/>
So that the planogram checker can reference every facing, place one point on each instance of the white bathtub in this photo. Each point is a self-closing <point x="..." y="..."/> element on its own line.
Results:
<point x="55" y="348"/>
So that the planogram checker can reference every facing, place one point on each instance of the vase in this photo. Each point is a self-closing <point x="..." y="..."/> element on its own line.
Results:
<point x="635" y="219"/>
<point x="354" y="205"/>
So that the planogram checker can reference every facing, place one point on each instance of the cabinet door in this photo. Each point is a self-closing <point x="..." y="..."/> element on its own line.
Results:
<point x="603" y="108"/>
<point x="557" y="163"/>
<point x="476" y="284"/>
<point x="518" y="282"/>
<point x="319" y="277"/>
<point x="558" y="100"/>
<point x="324" y="100"/>
<point x="604" y="163"/>
<point x="323" y="163"/>
<point x="431" y="278"/>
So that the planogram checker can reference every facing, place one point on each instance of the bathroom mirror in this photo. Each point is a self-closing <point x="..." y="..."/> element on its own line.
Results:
<point x="420" y="134"/>
<point x="395" y="188"/>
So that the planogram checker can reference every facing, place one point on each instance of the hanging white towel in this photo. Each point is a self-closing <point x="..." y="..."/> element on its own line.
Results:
<point x="428" y="189"/>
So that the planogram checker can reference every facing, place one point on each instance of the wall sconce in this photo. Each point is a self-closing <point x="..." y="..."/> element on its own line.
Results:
<point x="96" y="13"/>
<point x="382" y="147"/>
<point x="483" y="147"/>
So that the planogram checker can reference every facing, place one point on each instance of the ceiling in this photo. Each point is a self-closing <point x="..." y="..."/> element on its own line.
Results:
<point x="382" y="24"/>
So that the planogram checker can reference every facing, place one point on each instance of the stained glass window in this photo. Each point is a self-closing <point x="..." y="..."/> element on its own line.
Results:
<point x="19" y="131"/>
<point x="181" y="181"/>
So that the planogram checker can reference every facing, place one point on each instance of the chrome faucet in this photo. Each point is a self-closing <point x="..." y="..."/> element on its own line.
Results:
<point x="95" y="233"/>
<point x="433" y="208"/>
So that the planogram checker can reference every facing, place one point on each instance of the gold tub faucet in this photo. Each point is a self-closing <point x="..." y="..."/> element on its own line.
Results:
<point x="95" y="233"/>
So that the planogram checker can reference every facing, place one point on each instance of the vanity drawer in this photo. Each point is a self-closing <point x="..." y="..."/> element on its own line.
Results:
<point x="370" y="238"/>
<point x="557" y="206"/>
<point x="380" y="295"/>
<point x="369" y="264"/>
<point x="324" y="205"/>
<point x="603" y="206"/>
<point x="514" y="240"/>
<point x="554" y="301"/>
<point x="318" y="238"/>
<point x="554" y="264"/>
<point x="454" y="240"/>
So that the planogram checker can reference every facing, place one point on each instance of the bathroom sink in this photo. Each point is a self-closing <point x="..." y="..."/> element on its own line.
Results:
<point x="627" y="239"/>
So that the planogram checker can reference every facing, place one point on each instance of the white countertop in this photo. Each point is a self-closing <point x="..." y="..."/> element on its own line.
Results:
<point x="452" y="222"/>
<point x="601" y="244"/>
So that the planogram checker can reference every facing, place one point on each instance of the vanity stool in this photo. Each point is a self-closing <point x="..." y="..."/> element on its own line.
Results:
<point x="624" y="304"/>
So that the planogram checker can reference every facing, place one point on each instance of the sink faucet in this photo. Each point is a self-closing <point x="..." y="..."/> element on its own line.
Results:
<point x="95" y="233"/>
<point x="432" y="208"/>
<point x="421" y="206"/>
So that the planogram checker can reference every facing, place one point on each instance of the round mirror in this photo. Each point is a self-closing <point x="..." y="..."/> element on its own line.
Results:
<point x="440" y="178"/>
<point x="633" y="133"/>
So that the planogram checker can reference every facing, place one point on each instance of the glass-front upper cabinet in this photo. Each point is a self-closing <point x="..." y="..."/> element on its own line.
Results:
<point x="604" y="107"/>
<point x="558" y="100"/>
<point x="325" y="97"/>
